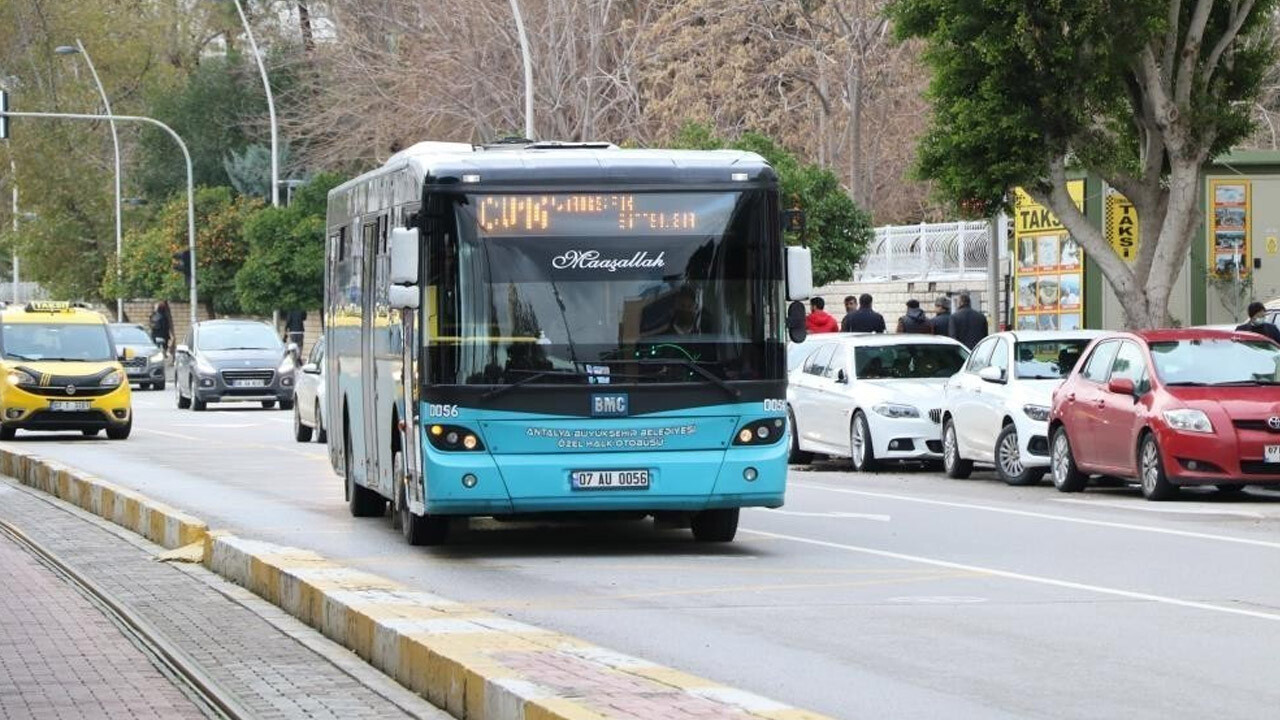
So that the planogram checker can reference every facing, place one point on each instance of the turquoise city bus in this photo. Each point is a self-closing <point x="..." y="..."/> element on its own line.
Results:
<point x="550" y="329"/>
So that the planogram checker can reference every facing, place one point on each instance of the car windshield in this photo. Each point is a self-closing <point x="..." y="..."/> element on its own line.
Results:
<point x="237" y="336"/>
<point x="129" y="335"/>
<point x="1217" y="361"/>
<point x="875" y="362"/>
<point x="1048" y="359"/>
<point x="40" y="341"/>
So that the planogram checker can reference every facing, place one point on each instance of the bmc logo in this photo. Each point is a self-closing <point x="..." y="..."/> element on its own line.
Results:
<point x="611" y="405"/>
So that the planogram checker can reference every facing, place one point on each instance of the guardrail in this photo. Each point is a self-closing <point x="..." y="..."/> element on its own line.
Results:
<point x="933" y="251"/>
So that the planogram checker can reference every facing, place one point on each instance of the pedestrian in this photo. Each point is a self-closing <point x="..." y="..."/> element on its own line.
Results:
<point x="819" y="320"/>
<point x="161" y="322"/>
<point x="295" y="324"/>
<point x="864" y="319"/>
<point x="914" y="321"/>
<point x="1257" y="322"/>
<point x="942" y="316"/>
<point x="967" y="325"/>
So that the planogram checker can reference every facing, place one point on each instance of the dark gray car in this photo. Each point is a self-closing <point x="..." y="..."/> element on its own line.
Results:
<point x="146" y="368"/>
<point x="233" y="361"/>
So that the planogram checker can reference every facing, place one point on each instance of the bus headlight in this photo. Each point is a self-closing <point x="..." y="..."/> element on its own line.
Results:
<point x="453" y="438"/>
<point x="761" y="432"/>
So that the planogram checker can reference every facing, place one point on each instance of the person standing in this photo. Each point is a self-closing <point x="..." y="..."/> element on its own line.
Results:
<point x="1257" y="322"/>
<point x="967" y="325"/>
<point x="914" y="321"/>
<point x="864" y="319"/>
<point x="819" y="320"/>
<point x="295" y="324"/>
<point x="162" y="326"/>
<point x="941" y="316"/>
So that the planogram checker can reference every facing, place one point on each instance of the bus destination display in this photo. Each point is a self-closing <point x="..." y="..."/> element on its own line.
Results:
<point x="584" y="213"/>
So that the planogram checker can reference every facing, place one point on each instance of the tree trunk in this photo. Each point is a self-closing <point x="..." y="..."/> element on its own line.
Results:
<point x="304" y="24"/>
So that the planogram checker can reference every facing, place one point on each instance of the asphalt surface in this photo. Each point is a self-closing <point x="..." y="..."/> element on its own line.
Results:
<point x="900" y="594"/>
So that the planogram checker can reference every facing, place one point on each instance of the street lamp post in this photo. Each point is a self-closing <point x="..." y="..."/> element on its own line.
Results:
<point x="115" y="141"/>
<point x="271" y="109"/>
<point x="528" y="70"/>
<point x="191" y="193"/>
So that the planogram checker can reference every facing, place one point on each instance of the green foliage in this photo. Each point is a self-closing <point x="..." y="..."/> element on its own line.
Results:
<point x="1016" y="84"/>
<point x="837" y="230"/>
<point x="285" y="266"/>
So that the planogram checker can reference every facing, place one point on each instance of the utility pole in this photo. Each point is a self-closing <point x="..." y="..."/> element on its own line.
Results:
<point x="528" y="71"/>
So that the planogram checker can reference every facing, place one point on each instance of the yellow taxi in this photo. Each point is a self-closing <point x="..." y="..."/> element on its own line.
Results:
<point x="59" y="371"/>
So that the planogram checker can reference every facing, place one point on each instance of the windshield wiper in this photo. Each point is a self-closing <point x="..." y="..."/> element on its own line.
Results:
<point x="16" y="356"/>
<point x="1230" y="383"/>
<point x="537" y="375"/>
<point x="1039" y="377"/>
<point x="733" y="392"/>
<point x="237" y="348"/>
<point x="1187" y="383"/>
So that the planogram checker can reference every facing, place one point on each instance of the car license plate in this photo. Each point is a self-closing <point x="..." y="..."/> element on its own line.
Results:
<point x="610" y="479"/>
<point x="251" y="383"/>
<point x="1272" y="454"/>
<point x="68" y="405"/>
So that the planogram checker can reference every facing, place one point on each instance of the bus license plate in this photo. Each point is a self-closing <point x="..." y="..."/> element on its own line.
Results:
<point x="610" y="479"/>
<point x="1272" y="454"/>
<point x="69" y="405"/>
<point x="251" y="383"/>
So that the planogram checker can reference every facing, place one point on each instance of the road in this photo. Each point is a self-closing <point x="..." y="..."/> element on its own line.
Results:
<point x="901" y="594"/>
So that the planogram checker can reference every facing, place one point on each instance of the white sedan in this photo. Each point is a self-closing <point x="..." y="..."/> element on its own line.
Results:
<point x="872" y="398"/>
<point x="996" y="410"/>
<point x="308" y="398"/>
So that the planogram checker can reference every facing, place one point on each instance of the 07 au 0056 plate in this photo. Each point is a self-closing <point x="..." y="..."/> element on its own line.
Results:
<point x="610" y="479"/>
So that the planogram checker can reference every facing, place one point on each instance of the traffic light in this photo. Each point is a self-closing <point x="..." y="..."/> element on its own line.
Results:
<point x="4" y="119"/>
<point x="182" y="263"/>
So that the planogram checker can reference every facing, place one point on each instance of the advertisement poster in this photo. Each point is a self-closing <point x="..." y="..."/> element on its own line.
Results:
<point x="1229" y="249"/>
<point x="1049" y="272"/>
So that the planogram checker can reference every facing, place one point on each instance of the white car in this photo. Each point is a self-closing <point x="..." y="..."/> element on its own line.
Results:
<point x="997" y="417"/>
<point x="872" y="398"/>
<point x="308" y="398"/>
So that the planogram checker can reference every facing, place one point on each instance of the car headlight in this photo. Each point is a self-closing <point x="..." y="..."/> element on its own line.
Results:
<point x="22" y="377"/>
<point x="1039" y="413"/>
<point x="895" y="410"/>
<point x="204" y="366"/>
<point x="157" y="358"/>
<point x="111" y="379"/>
<point x="1188" y="420"/>
<point x="286" y="365"/>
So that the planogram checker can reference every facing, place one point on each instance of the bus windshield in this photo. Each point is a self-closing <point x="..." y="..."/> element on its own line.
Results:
<point x="608" y="287"/>
<point x="57" y="341"/>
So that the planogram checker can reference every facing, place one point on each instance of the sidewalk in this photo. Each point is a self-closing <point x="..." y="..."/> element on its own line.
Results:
<point x="61" y="657"/>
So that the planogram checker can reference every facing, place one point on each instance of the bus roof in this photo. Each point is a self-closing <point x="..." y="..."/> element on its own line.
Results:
<point x="569" y="164"/>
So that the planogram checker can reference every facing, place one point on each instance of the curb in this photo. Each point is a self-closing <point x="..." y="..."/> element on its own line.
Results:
<point x="472" y="663"/>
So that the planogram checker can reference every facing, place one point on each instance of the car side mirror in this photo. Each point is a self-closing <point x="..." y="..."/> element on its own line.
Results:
<point x="842" y="378"/>
<point x="992" y="374"/>
<point x="311" y="369"/>
<point x="182" y="350"/>
<point x="1122" y="386"/>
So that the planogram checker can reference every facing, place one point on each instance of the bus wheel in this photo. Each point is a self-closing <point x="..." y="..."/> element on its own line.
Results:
<point x="421" y="529"/>
<point x="362" y="501"/>
<point x="715" y="525"/>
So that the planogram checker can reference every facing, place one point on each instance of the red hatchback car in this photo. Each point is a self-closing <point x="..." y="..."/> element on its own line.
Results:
<point x="1171" y="408"/>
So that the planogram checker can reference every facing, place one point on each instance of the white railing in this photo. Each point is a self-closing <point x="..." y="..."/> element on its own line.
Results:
<point x="934" y="251"/>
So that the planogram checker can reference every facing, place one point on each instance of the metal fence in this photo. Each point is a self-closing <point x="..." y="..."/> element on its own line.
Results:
<point x="933" y="251"/>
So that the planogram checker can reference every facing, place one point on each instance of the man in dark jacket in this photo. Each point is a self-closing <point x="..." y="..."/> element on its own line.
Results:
<point x="295" y="323"/>
<point x="864" y="319"/>
<point x="1258" y="322"/>
<point x="967" y="325"/>
<point x="942" y="316"/>
<point x="914" y="321"/>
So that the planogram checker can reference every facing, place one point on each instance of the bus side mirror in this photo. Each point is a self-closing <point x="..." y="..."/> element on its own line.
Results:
<point x="403" y="297"/>
<point x="404" y="256"/>
<point x="799" y="273"/>
<point x="797" y="330"/>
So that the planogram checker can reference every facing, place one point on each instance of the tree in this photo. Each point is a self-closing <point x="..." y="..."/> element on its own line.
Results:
<point x="285" y="265"/>
<point x="1140" y="92"/>
<point x="836" y="229"/>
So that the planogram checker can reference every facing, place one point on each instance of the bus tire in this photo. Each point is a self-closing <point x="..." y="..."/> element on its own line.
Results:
<point x="719" y="525"/>
<point x="362" y="501"/>
<point x="421" y="530"/>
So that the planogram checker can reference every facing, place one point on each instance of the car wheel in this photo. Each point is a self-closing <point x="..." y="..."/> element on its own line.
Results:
<point x="119" y="432"/>
<point x="286" y="404"/>
<point x="861" y="451"/>
<point x="797" y="456"/>
<point x="720" y="525"/>
<point x="322" y="435"/>
<point x="955" y="466"/>
<point x="1066" y="476"/>
<point x="89" y="433"/>
<point x="184" y="402"/>
<point x="361" y="501"/>
<point x="158" y="385"/>
<point x="7" y="433"/>
<point x="1231" y="489"/>
<point x="196" y="403"/>
<point x="1009" y="460"/>
<point x="268" y="404"/>
<point x="301" y="432"/>
<point x="1155" y="484"/>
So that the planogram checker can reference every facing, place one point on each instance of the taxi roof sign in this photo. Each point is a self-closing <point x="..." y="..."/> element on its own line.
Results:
<point x="51" y="306"/>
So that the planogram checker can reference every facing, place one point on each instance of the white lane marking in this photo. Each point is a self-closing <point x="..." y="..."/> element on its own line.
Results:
<point x="1155" y="508"/>
<point x="1038" y="579"/>
<point x="797" y="513"/>
<point x="202" y="426"/>
<point x="1047" y="516"/>
<point x="938" y="599"/>
<point x="169" y="434"/>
